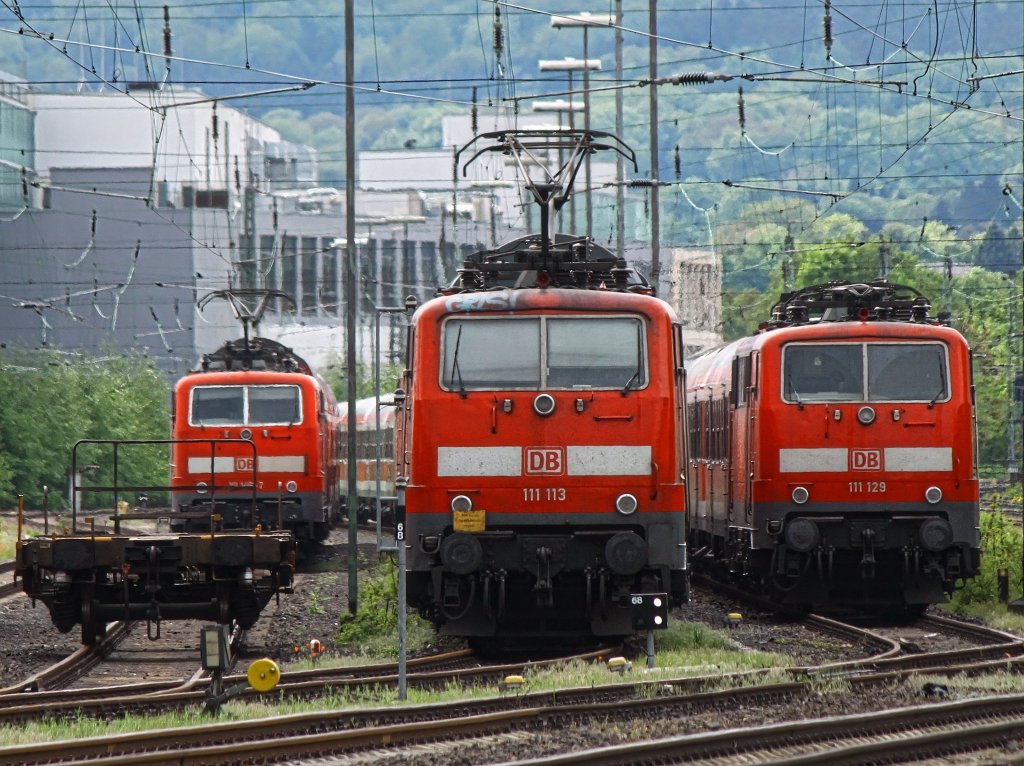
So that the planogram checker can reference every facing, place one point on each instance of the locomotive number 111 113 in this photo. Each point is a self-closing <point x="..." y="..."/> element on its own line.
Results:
<point x="543" y="494"/>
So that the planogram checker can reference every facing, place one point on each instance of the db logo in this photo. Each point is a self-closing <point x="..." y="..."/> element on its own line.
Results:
<point x="544" y="460"/>
<point x="243" y="463"/>
<point x="865" y="460"/>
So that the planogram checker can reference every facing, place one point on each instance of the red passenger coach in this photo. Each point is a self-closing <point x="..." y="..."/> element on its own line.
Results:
<point x="375" y="458"/>
<point x="832" y="454"/>
<point x="259" y="390"/>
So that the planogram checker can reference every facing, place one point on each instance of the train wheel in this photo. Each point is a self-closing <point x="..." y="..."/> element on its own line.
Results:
<point x="93" y="629"/>
<point x="245" y="608"/>
<point x="64" y="612"/>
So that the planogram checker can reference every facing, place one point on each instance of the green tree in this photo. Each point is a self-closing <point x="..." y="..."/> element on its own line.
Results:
<point x="51" y="401"/>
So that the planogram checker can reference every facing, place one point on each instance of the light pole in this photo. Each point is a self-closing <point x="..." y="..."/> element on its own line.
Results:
<point x="585" y="21"/>
<point x="410" y="306"/>
<point x="571" y="65"/>
<point x="560" y="106"/>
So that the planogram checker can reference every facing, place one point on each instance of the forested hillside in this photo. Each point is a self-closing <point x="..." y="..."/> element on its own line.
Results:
<point x="907" y="112"/>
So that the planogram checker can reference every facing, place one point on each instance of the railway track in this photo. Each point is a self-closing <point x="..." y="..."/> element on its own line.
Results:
<point x="906" y="735"/>
<point x="8" y="587"/>
<point x="458" y="668"/>
<point x="401" y="729"/>
<point x="112" y="668"/>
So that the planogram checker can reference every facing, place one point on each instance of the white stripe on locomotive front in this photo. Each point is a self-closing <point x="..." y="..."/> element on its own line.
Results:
<point x="837" y="460"/>
<point x="607" y="460"/>
<point x="265" y="463"/>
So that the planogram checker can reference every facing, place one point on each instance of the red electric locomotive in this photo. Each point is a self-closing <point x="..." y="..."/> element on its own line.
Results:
<point x="832" y="454"/>
<point x="259" y="390"/>
<point x="539" y="441"/>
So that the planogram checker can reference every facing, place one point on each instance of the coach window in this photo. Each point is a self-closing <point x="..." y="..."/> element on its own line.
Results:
<point x="740" y="380"/>
<point x="907" y="372"/>
<point x="818" y="372"/>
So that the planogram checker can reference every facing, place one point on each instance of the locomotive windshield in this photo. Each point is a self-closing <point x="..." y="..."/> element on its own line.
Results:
<point x="245" y="405"/>
<point x="581" y="352"/>
<point x="865" y="372"/>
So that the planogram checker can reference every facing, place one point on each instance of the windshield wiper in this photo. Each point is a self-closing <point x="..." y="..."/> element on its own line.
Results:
<point x="942" y="387"/>
<point x="639" y="365"/>
<point x="629" y="383"/>
<point x="792" y="390"/>
<point x="455" y="364"/>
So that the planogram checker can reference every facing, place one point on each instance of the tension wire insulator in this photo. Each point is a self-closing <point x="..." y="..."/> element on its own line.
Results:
<point x="499" y="35"/>
<point x="640" y="183"/>
<point x="742" y="113"/>
<point x="692" y="78"/>
<point x="828" y="28"/>
<point x="678" y="163"/>
<point x="474" y="122"/>
<point x="167" y="31"/>
<point x="215" y="126"/>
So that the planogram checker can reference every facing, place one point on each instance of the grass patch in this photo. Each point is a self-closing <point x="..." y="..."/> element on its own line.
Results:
<point x="373" y="631"/>
<point x="995" y="615"/>
<point x="9" y="538"/>
<point x="960" y="687"/>
<point x="8" y="534"/>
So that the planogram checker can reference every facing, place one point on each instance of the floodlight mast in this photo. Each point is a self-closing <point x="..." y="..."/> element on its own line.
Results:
<point x="556" y="188"/>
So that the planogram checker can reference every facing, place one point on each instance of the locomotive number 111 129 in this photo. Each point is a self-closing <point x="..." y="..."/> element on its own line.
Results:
<point x="867" y="486"/>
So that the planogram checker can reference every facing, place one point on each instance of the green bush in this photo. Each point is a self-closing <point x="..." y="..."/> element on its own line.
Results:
<point x="374" y="628"/>
<point x="1000" y="549"/>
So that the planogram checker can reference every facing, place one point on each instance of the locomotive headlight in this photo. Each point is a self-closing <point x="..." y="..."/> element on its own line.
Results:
<point x="866" y="415"/>
<point x="291" y="486"/>
<point x="936" y="535"/>
<point x="626" y="504"/>
<point x="802" y="535"/>
<point x="245" y="433"/>
<point x="544" y="404"/>
<point x="462" y="503"/>
<point x="933" y="495"/>
<point x="200" y="487"/>
<point x="800" y="495"/>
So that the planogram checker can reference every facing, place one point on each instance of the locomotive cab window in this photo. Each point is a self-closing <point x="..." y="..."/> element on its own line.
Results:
<point x="245" y="405"/>
<point x="576" y="353"/>
<point x="864" y="372"/>
<point x="907" y="372"/>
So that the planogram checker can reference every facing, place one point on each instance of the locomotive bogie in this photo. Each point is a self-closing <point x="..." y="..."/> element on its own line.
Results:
<point x="559" y="576"/>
